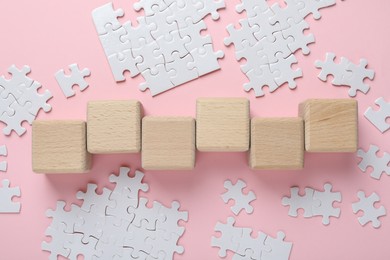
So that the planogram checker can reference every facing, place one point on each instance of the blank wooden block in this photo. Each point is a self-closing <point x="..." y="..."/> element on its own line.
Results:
<point x="60" y="147"/>
<point x="168" y="143"/>
<point x="330" y="125"/>
<point x="114" y="127"/>
<point x="222" y="124"/>
<point x="277" y="143"/>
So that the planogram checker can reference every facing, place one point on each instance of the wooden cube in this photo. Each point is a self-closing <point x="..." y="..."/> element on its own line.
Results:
<point x="277" y="144"/>
<point x="222" y="124"/>
<point x="114" y="126"/>
<point x="168" y="143"/>
<point x="60" y="147"/>
<point x="331" y="125"/>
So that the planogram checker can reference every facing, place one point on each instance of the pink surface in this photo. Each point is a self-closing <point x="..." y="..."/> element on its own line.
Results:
<point x="49" y="35"/>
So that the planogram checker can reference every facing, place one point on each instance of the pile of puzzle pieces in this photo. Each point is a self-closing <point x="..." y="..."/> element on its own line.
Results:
<point x="20" y="100"/>
<point x="116" y="224"/>
<point x="166" y="47"/>
<point x="240" y="241"/>
<point x="269" y="36"/>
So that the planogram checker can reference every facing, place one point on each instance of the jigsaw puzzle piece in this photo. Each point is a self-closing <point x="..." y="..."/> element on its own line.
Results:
<point x="259" y="78"/>
<point x="356" y="79"/>
<point x="90" y="225"/>
<point x="244" y="33"/>
<point x="158" y="21"/>
<point x="283" y="72"/>
<point x="280" y="249"/>
<point x="60" y="216"/>
<point x="379" y="118"/>
<point x="145" y="216"/>
<point x="171" y="43"/>
<point x="280" y="45"/>
<point x="77" y="247"/>
<point x="135" y="34"/>
<point x="6" y="195"/>
<point x="33" y="100"/>
<point x="193" y="30"/>
<point x="313" y="7"/>
<point x="168" y="246"/>
<point x="256" y="245"/>
<point x="14" y="122"/>
<point x="94" y="201"/>
<point x="179" y="66"/>
<point x="106" y="15"/>
<point x="296" y="201"/>
<point x="150" y="57"/>
<point x="157" y="83"/>
<point x="12" y="86"/>
<point x="326" y="198"/>
<point x="378" y="164"/>
<point x="76" y="77"/>
<point x="115" y="41"/>
<point x="249" y="7"/>
<point x="211" y="7"/>
<point x="283" y="15"/>
<point x="254" y="56"/>
<point x="5" y="104"/>
<point x="172" y="216"/>
<point x="59" y="238"/>
<point x="261" y="20"/>
<point x="148" y="6"/>
<point x="122" y="62"/>
<point x="371" y="213"/>
<point x="128" y="186"/>
<point x="205" y="59"/>
<point x="301" y="40"/>
<point x="235" y="192"/>
<point x="229" y="233"/>
<point x="179" y="13"/>
<point x="330" y="67"/>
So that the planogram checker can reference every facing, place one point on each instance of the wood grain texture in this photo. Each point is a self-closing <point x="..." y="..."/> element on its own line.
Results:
<point x="277" y="144"/>
<point x="331" y="125"/>
<point x="222" y="124"/>
<point x="60" y="147"/>
<point x="168" y="143"/>
<point x="114" y="126"/>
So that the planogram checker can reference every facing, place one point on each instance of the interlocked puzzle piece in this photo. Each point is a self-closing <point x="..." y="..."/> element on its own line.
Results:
<point x="235" y="192"/>
<point x="378" y="164"/>
<point x="151" y="233"/>
<point x="379" y="118"/>
<point x="371" y="213"/>
<point x="20" y="100"/>
<point x="268" y="38"/>
<point x="240" y="241"/>
<point x="3" y="152"/>
<point x="6" y="196"/>
<point x="76" y="77"/>
<point x="314" y="203"/>
<point x="345" y="73"/>
<point x="166" y="48"/>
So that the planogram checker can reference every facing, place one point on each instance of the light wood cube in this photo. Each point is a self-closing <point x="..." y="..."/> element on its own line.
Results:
<point x="277" y="144"/>
<point x="114" y="126"/>
<point x="168" y="143"/>
<point x="222" y="124"/>
<point x="60" y="147"/>
<point x="331" y="125"/>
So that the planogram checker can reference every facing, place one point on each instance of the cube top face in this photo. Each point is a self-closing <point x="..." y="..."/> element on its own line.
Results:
<point x="168" y="143"/>
<point x="114" y="126"/>
<point x="60" y="147"/>
<point x="222" y="124"/>
<point x="331" y="125"/>
<point x="277" y="144"/>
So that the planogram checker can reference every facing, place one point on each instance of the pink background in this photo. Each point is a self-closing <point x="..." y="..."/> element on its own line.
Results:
<point x="49" y="35"/>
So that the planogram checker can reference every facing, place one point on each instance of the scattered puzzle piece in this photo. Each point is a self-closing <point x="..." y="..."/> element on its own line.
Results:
<point x="76" y="77"/>
<point x="379" y="118"/>
<point x="235" y="192"/>
<point x="6" y="195"/>
<point x="371" y="213"/>
<point x="378" y="164"/>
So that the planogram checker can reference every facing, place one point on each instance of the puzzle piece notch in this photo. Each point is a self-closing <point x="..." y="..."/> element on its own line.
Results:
<point x="378" y="164"/>
<point x="367" y="205"/>
<point x="235" y="192"/>
<point x="4" y="153"/>
<point x="6" y="195"/>
<point x="76" y="77"/>
<point x="379" y="117"/>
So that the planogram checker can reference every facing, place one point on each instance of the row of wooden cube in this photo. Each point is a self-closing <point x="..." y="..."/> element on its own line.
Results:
<point x="222" y="125"/>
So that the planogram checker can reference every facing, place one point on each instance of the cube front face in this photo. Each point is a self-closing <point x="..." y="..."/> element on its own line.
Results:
<point x="60" y="147"/>
<point x="114" y="127"/>
<point x="277" y="144"/>
<point x="222" y="124"/>
<point x="168" y="143"/>
<point x="330" y="125"/>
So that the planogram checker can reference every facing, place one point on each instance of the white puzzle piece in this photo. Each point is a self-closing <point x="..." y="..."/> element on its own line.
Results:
<point x="235" y="192"/>
<point x="76" y="77"/>
<point x="7" y="205"/>
<point x="228" y="234"/>
<point x="378" y="164"/>
<point x="379" y="118"/>
<point x="297" y="201"/>
<point x="106" y="15"/>
<point x="371" y="213"/>
<point x="326" y="198"/>
<point x="280" y="249"/>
